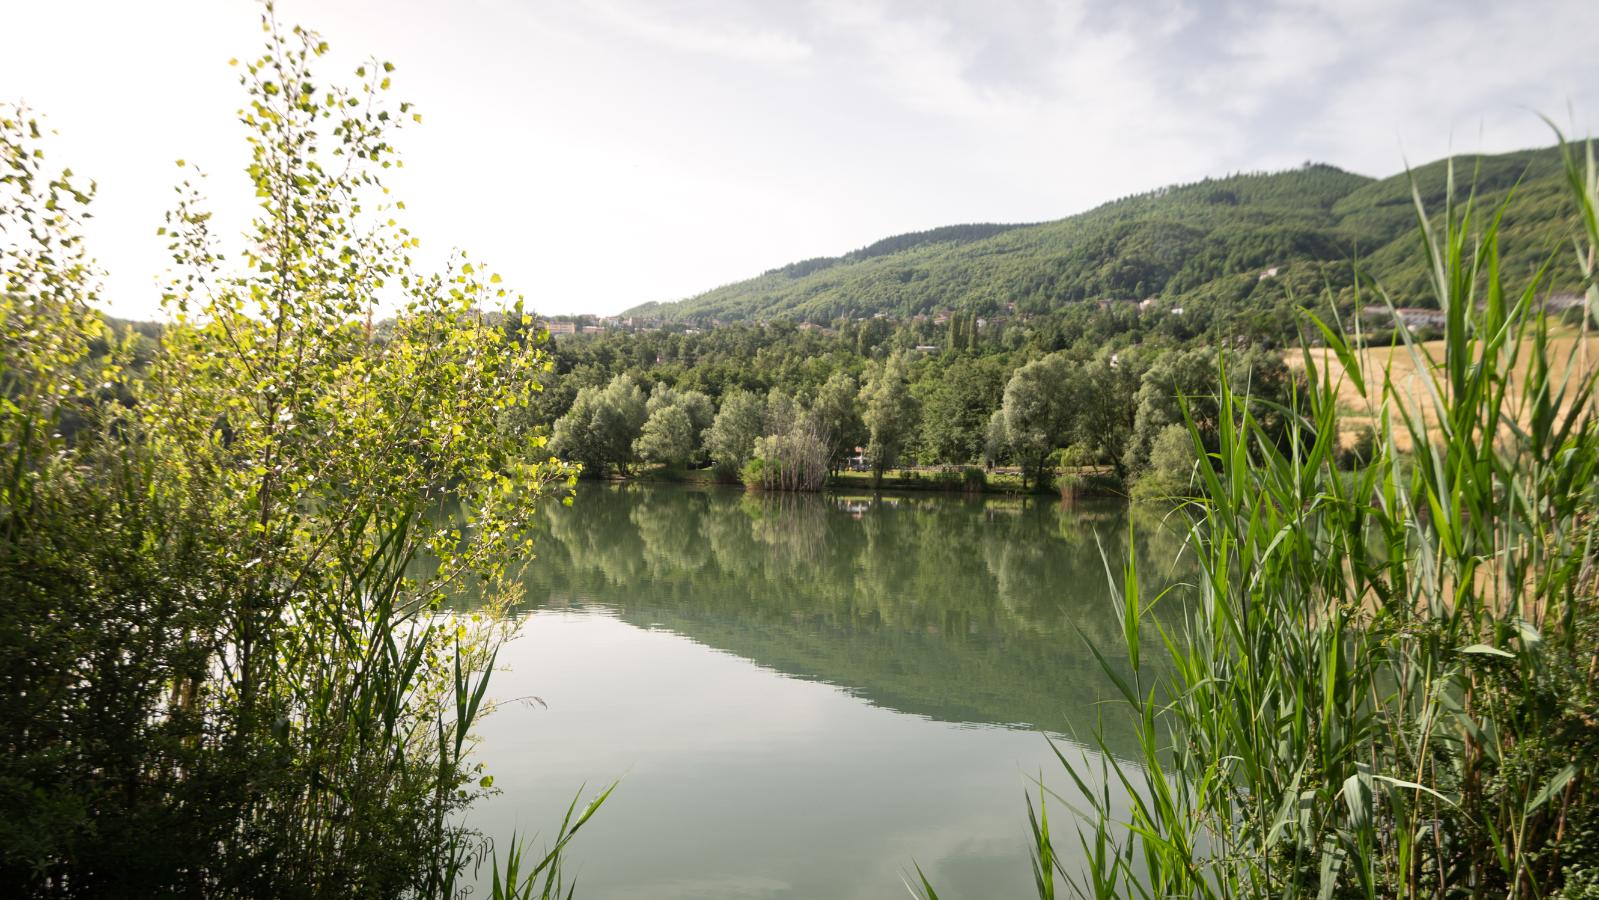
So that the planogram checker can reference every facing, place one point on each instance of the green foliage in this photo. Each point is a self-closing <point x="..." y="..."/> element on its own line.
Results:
<point x="731" y="438"/>
<point x="1041" y="401"/>
<point x="667" y="437"/>
<point x="836" y="412"/>
<point x="699" y="408"/>
<point x="223" y="666"/>
<point x="509" y="882"/>
<point x="1180" y="387"/>
<point x="1171" y="466"/>
<point x="795" y="449"/>
<point x="600" y="429"/>
<point x="1171" y="380"/>
<point x="956" y="403"/>
<point x="676" y="420"/>
<point x="996" y="439"/>
<point x="1106" y="411"/>
<point x="891" y="414"/>
<point x="1386" y="689"/>
<point x="793" y="459"/>
<point x="1362" y="451"/>
<point x="1200" y="245"/>
<point x="974" y="479"/>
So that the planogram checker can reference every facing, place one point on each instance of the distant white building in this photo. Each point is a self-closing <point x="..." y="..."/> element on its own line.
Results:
<point x="1562" y="302"/>
<point x="1413" y="316"/>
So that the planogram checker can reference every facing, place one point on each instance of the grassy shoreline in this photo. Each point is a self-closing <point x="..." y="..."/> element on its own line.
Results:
<point x="1067" y="483"/>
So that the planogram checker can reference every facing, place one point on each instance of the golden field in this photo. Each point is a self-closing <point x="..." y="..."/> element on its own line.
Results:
<point x="1570" y="352"/>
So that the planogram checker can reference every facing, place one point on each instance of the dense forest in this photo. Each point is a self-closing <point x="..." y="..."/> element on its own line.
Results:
<point x="1197" y="245"/>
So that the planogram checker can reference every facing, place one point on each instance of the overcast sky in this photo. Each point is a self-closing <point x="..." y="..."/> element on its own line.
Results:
<point x="602" y="154"/>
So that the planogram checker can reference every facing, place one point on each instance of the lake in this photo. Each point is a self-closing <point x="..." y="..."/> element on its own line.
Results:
<point x="805" y="695"/>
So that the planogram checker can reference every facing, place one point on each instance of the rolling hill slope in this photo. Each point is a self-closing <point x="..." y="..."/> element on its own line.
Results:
<point x="1213" y="236"/>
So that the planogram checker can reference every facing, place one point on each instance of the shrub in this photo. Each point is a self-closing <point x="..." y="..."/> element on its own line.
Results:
<point x="1172" y="460"/>
<point x="796" y="460"/>
<point x="974" y="479"/>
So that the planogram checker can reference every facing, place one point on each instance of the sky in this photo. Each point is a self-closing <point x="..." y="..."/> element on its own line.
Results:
<point x="604" y="154"/>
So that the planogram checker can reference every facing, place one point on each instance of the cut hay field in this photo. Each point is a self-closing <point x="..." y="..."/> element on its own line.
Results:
<point x="1405" y="368"/>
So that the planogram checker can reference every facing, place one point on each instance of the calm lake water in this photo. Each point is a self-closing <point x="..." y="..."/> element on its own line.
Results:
<point x="804" y="695"/>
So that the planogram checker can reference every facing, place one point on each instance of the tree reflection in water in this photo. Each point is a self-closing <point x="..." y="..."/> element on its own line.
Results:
<point x="958" y="609"/>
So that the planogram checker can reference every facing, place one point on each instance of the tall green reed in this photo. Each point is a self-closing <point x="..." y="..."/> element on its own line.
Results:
<point x="1386" y="685"/>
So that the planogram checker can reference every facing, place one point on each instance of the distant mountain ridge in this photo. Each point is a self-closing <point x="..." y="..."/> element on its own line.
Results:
<point x="945" y="234"/>
<point x="1215" y="236"/>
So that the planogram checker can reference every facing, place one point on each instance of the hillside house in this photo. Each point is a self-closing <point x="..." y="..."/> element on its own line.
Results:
<point x="1558" y="303"/>
<point x="1414" y="317"/>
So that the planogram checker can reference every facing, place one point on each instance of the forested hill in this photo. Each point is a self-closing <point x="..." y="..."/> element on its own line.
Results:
<point x="1210" y="239"/>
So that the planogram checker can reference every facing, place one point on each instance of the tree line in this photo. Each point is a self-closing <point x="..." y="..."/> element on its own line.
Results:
<point x="1107" y="406"/>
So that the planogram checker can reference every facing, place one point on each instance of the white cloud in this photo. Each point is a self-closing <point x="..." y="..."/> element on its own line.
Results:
<point x="762" y="45"/>
<point x="607" y="154"/>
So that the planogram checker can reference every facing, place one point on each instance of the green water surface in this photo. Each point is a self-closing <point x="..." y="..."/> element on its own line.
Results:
<point x="805" y="695"/>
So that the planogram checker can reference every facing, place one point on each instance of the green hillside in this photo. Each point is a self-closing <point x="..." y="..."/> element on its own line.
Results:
<point x="1208" y="239"/>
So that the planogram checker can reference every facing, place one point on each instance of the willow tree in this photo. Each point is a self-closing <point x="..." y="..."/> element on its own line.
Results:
<point x="600" y="429"/>
<point x="837" y="413"/>
<point x="891" y="414"/>
<point x="1041" y="400"/>
<point x="731" y="437"/>
<point x="667" y="437"/>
